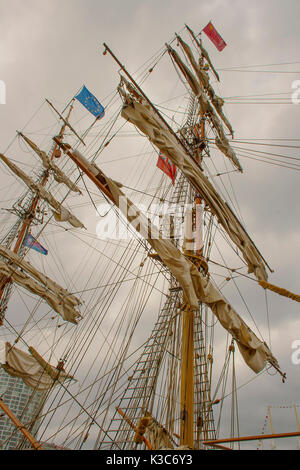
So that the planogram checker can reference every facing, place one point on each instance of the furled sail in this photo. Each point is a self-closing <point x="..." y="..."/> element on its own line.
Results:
<point x="37" y="283"/>
<point x="58" y="174"/>
<point x="31" y="368"/>
<point x="196" y="287"/>
<point x="203" y="51"/>
<point x="151" y="124"/>
<point x="205" y="105"/>
<point x="225" y="148"/>
<point x="157" y="435"/>
<point x="60" y="212"/>
<point x="203" y="78"/>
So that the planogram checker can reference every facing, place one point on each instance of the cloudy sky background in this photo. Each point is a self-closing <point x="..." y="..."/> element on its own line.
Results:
<point x="48" y="49"/>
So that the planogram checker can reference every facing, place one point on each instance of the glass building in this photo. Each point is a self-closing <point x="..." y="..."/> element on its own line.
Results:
<point x="25" y="403"/>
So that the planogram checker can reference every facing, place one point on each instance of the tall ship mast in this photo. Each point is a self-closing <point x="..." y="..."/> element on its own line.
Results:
<point x="119" y="343"/>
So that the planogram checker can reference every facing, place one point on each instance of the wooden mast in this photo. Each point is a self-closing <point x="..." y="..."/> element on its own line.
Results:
<point x="187" y="359"/>
<point x="4" y="281"/>
<point x="216" y="442"/>
<point x="31" y="211"/>
<point x="187" y="379"/>
<point x="65" y="121"/>
<point x="188" y="353"/>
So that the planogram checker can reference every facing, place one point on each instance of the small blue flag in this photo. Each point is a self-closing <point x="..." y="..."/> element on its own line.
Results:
<point x="90" y="102"/>
<point x="31" y="242"/>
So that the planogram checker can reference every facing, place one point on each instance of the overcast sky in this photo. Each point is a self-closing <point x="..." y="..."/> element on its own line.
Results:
<point x="48" y="49"/>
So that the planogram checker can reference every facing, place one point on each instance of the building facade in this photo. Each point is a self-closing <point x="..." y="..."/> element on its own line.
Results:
<point x="26" y="405"/>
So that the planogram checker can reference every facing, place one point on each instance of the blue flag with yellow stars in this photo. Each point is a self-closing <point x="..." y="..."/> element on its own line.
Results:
<point x="90" y="102"/>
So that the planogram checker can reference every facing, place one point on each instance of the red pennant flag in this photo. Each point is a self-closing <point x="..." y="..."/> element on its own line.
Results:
<point x="214" y="36"/>
<point x="167" y="167"/>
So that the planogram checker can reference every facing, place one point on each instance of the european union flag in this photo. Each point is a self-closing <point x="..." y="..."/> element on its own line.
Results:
<point x="90" y="102"/>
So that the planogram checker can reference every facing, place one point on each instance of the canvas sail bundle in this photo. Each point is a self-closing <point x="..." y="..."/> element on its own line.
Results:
<point x="60" y="213"/>
<point x="203" y="51"/>
<point x="196" y="287"/>
<point x="58" y="174"/>
<point x="157" y="435"/>
<point x="37" y="283"/>
<point x="142" y="115"/>
<point x="203" y="78"/>
<point x="31" y="368"/>
<point x="225" y="148"/>
<point x="205" y="105"/>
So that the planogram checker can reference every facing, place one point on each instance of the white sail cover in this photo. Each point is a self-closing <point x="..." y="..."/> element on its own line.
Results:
<point x="142" y="115"/>
<point x="34" y="371"/>
<point x="58" y="174"/>
<point x="195" y="286"/>
<point x="57" y="297"/>
<point x="203" y="51"/>
<point x="203" y="78"/>
<point x="60" y="212"/>
<point x="157" y="435"/>
<point x="206" y="108"/>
